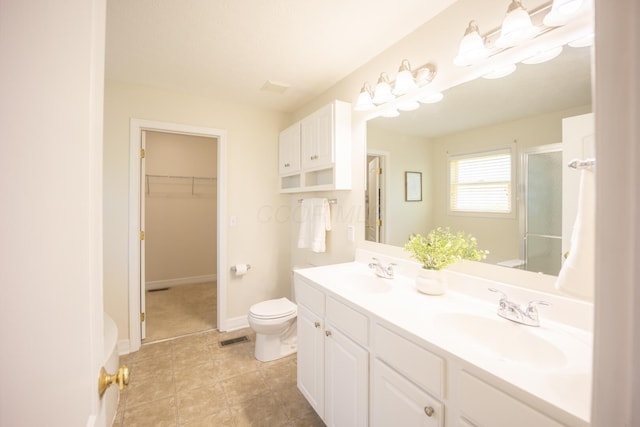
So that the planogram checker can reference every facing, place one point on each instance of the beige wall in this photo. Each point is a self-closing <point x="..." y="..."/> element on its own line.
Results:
<point x="252" y="138"/>
<point x="407" y="153"/>
<point x="180" y="214"/>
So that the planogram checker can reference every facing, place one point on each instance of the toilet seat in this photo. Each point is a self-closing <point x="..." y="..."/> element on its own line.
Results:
<point x="273" y="309"/>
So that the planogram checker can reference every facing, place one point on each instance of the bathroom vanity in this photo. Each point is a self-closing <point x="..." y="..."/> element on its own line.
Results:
<point x="375" y="351"/>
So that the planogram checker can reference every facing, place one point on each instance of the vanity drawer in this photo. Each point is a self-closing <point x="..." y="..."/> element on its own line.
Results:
<point x="421" y="366"/>
<point x="485" y="405"/>
<point x="309" y="296"/>
<point x="348" y="320"/>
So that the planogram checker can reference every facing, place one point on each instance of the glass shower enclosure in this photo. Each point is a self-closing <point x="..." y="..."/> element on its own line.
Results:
<point x="541" y="209"/>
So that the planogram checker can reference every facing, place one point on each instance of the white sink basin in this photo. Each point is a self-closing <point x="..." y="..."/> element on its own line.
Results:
<point x="509" y="341"/>
<point x="368" y="283"/>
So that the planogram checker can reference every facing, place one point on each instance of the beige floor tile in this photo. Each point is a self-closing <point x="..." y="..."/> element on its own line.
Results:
<point x="159" y="413"/>
<point x="149" y="388"/>
<point x="194" y="376"/>
<point x="311" y="420"/>
<point x="244" y="387"/>
<point x="200" y="403"/>
<point x="292" y="402"/>
<point x="218" y="419"/>
<point x="180" y="310"/>
<point x="260" y="411"/>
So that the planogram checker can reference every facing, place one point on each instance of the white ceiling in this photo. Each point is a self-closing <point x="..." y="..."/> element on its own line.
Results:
<point x="228" y="49"/>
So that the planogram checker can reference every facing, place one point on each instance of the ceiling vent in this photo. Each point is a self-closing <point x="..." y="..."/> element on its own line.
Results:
<point x="275" y="87"/>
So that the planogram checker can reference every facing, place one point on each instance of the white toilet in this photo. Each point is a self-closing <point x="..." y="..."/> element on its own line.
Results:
<point x="274" y="322"/>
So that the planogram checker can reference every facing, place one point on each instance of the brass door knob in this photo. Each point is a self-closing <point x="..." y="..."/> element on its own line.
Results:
<point x="121" y="378"/>
<point x="429" y="411"/>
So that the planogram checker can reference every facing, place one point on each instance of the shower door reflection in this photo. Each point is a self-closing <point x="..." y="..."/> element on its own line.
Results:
<point x="541" y="207"/>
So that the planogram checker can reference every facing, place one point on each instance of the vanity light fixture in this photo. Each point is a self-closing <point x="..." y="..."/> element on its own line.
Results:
<point x="500" y="72"/>
<point x="561" y="12"/>
<point x="390" y="113"/>
<point x="383" y="92"/>
<point x="409" y="106"/>
<point x="584" y="41"/>
<point x="543" y="56"/>
<point x="472" y="47"/>
<point x="406" y="87"/>
<point x="431" y="97"/>
<point x="516" y="27"/>
<point x="365" y="99"/>
<point x="405" y="81"/>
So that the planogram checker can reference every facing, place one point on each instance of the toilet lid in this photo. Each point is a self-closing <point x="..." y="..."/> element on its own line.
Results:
<point x="273" y="308"/>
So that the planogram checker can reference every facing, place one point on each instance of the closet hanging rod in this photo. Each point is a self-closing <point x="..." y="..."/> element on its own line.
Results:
<point x="331" y="201"/>
<point x="581" y="164"/>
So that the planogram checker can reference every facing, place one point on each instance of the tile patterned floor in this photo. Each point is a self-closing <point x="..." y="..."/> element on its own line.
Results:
<point x="180" y="310"/>
<point x="193" y="381"/>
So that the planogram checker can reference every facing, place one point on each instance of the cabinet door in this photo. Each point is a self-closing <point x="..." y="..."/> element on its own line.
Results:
<point x="289" y="157"/>
<point x="311" y="358"/>
<point x="316" y="133"/>
<point x="346" y="381"/>
<point x="399" y="402"/>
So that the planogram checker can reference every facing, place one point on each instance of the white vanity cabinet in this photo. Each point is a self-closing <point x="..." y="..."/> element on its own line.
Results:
<point x="408" y="382"/>
<point x="333" y="362"/>
<point x="482" y="404"/>
<point x="323" y="151"/>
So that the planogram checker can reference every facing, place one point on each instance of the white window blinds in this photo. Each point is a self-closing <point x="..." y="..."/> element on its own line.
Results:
<point x="481" y="182"/>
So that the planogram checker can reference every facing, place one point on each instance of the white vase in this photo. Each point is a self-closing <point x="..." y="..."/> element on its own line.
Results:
<point x="431" y="282"/>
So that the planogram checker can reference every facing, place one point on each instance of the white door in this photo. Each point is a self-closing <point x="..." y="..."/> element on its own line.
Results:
<point x="373" y="221"/>
<point x="51" y="315"/>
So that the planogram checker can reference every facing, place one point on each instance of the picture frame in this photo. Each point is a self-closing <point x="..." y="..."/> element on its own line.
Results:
<point x="413" y="186"/>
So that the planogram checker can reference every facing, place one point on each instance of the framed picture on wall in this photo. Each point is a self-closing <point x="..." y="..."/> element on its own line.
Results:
<point x="413" y="186"/>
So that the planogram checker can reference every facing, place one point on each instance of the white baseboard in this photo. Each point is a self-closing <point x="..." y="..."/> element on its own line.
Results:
<point x="160" y="284"/>
<point x="234" y="323"/>
<point x="123" y="347"/>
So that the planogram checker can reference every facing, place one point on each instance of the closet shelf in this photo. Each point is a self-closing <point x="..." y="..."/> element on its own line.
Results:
<point x="180" y="185"/>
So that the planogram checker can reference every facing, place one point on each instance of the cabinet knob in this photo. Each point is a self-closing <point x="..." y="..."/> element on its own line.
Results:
<point x="316" y="324"/>
<point x="327" y="333"/>
<point x="429" y="411"/>
<point x="286" y="165"/>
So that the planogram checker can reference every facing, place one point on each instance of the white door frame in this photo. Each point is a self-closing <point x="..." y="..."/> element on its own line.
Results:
<point x="135" y="191"/>
<point x="385" y="185"/>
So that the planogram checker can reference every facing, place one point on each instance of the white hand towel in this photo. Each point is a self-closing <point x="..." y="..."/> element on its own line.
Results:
<point x="315" y="220"/>
<point x="576" y="276"/>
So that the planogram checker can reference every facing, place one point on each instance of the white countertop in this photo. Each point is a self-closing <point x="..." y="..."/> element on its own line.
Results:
<point x="561" y="379"/>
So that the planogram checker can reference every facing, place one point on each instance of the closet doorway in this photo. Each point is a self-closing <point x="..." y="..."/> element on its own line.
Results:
<point x="166" y="187"/>
<point x="180" y="210"/>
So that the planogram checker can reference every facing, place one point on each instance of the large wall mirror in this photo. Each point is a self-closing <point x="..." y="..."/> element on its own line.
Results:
<point x="522" y="115"/>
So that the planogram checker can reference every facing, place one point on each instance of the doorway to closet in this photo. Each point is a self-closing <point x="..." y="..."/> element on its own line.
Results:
<point x="180" y="210"/>
<point x="137" y="244"/>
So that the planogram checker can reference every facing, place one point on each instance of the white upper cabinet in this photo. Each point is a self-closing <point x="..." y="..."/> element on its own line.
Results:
<point x="317" y="139"/>
<point x="290" y="150"/>
<point x="323" y="151"/>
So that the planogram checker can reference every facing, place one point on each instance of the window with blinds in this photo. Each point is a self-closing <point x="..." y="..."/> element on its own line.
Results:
<point x="481" y="182"/>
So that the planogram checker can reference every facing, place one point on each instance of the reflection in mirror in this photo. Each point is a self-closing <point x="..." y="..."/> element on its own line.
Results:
<point x="523" y="113"/>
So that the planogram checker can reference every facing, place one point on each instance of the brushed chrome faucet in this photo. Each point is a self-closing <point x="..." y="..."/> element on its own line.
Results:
<point x="516" y="313"/>
<point x="380" y="270"/>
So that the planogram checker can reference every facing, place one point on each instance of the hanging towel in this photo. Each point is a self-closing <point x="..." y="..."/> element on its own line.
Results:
<point x="315" y="220"/>
<point x="576" y="276"/>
